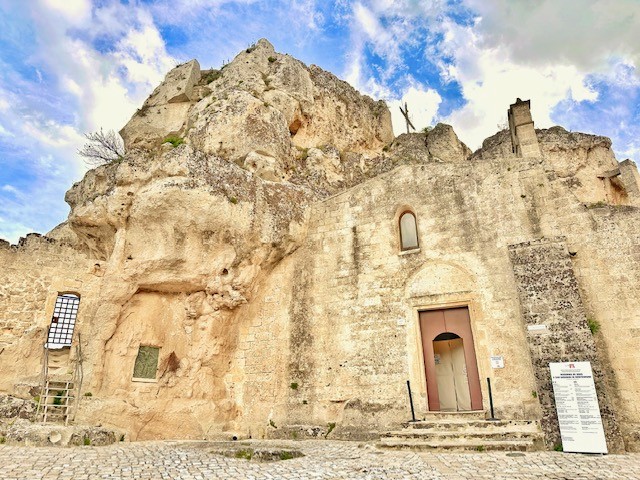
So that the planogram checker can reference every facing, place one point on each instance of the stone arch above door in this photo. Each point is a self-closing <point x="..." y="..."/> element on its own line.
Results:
<point x="437" y="278"/>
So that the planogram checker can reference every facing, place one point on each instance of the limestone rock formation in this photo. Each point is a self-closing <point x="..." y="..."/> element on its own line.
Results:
<point x="251" y="236"/>
<point x="263" y="107"/>
<point x="443" y="144"/>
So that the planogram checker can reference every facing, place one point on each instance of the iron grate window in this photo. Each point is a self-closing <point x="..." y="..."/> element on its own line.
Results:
<point x="63" y="320"/>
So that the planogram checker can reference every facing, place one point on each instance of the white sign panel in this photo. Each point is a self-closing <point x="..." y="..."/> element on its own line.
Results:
<point x="497" y="361"/>
<point x="537" y="328"/>
<point x="578" y="410"/>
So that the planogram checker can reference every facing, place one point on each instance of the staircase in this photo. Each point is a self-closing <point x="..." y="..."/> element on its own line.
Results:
<point x="60" y="386"/>
<point x="465" y="431"/>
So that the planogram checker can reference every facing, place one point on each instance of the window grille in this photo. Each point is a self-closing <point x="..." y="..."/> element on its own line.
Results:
<point x="63" y="321"/>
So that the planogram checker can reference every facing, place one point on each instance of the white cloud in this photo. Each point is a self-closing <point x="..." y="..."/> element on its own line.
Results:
<point x="74" y="12"/>
<point x="491" y="82"/>
<point x="584" y="33"/>
<point x="107" y="86"/>
<point x="423" y="107"/>
<point x="4" y="132"/>
<point x="52" y="134"/>
<point x="10" y="189"/>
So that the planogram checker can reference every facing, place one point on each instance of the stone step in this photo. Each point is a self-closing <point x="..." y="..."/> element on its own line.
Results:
<point x="455" y="425"/>
<point x="454" y="416"/>
<point x="511" y="434"/>
<point x="459" y="445"/>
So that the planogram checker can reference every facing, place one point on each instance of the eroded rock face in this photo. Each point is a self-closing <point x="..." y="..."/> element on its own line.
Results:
<point x="245" y="255"/>
<point x="443" y="145"/>
<point x="262" y="103"/>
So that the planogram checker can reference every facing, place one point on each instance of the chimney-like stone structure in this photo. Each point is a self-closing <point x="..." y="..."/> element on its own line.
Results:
<point x="523" y="136"/>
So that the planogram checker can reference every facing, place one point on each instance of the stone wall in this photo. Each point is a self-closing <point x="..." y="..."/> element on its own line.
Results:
<point x="550" y="298"/>
<point x="32" y="275"/>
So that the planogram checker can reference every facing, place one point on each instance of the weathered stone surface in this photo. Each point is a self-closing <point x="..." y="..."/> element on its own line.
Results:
<point x="443" y="145"/>
<point x="164" y="113"/>
<point x="12" y="407"/>
<point x="550" y="296"/>
<point x="262" y="102"/>
<point x="262" y="258"/>
<point x="23" y="432"/>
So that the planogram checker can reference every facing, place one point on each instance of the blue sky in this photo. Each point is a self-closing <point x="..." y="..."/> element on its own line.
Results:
<point x="68" y="67"/>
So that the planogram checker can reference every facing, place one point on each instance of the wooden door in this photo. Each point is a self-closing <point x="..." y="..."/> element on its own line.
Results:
<point x="456" y="322"/>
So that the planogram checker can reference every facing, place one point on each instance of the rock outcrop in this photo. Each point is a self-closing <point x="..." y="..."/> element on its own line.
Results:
<point x="250" y="237"/>
<point x="262" y="111"/>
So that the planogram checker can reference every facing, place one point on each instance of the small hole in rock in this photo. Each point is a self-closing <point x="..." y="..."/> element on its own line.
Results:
<point x="225" y="271"/>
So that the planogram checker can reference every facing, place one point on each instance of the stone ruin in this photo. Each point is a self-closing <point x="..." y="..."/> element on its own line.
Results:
<point x="276" y="273"/>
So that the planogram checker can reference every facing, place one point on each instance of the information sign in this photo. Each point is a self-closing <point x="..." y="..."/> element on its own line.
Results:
<point x="577" y="406"/>
<point x="497" y="361"/>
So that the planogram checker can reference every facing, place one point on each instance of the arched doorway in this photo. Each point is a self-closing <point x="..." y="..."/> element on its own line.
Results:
<point x="453" y="383"/>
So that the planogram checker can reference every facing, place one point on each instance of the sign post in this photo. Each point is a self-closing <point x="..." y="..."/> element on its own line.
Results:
<point x="577" y="406"/>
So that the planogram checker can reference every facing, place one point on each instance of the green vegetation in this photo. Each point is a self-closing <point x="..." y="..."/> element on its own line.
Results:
<point x="57" y="400"/>
<point x="558" y="447"/>
<point x="330" y="426"/>
<point x="2" y="440"/>
<point x="534" y="394"/>
<point x="594" y="325"/>
<point x="233" y="200"/>
<point x="87" y="441"/>
<point x="480" y="448"/>
<point x="303" y="153"/>
<point x="271" y="59"/>
<point x="294" y="385"/>
<point x="174" y="140"/>
<point x="211" y="76"/>
<point x="88" y="394"/>
<point x="304" y="402"/>
<point x="267" y="82"/>
<point x="286" y="455"/>
<point x="247" y="454"/>
<point x="272" y="423"/>
<point x="427" y="129"/>
<point x="599" y="204"/>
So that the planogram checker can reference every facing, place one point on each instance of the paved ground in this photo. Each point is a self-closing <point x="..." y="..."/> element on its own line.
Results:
<point x="322" y="460"/>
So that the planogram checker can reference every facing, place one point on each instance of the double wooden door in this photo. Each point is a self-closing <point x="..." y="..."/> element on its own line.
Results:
<point x="453" y="383"/>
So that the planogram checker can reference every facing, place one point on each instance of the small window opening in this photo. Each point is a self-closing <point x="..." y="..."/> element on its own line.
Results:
<point x="408" y="231"/>
<point x="63" y="321"/>
<point x="146" y="364"/>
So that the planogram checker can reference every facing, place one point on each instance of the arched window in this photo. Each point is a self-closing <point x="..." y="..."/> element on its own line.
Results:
<point x="408" y="231"/>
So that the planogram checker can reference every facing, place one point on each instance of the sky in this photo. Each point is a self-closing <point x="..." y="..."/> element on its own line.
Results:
<point x="70" y="67"/>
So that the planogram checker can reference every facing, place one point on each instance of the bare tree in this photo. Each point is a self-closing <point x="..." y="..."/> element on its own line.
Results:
<point x="102" y="148"/>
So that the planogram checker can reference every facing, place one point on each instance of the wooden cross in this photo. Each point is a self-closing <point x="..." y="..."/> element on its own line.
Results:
<point x="405" y="113"/>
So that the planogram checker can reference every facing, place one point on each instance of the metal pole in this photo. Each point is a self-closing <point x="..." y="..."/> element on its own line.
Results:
<point x="493" y="417"/>
<point x="413" y="413"/>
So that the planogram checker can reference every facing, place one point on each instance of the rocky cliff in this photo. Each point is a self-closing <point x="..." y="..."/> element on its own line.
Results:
<point x="201" y="242"/>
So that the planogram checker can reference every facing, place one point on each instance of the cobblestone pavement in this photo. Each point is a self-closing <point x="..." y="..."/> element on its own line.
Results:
<point x="322" y="460"/>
